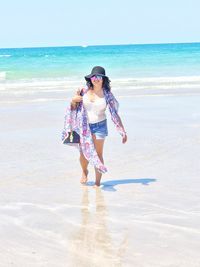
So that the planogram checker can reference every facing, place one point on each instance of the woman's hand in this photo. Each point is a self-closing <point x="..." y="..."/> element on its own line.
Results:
<point x="77" y="98"/>
<point x="124" y="138"/>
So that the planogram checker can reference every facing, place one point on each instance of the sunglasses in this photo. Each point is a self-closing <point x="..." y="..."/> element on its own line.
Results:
<point x="96" y="77"/>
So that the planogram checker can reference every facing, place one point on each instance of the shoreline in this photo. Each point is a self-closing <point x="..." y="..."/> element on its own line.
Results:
<point x="59" y="90"/>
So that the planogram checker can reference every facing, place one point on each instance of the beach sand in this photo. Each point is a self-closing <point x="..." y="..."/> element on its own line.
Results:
<point x="147" y="211"/>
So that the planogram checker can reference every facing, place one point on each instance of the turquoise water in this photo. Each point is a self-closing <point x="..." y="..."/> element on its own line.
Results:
<point x="120" y="61"/>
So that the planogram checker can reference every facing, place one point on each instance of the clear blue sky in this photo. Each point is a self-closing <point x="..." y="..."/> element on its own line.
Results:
<point x="28" y="23"/>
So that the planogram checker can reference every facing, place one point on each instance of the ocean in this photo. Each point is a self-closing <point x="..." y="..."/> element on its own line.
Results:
<point x="142" y="66"/>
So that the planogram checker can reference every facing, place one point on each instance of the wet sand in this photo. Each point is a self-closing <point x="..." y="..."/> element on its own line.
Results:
<point x="147" y="211"/>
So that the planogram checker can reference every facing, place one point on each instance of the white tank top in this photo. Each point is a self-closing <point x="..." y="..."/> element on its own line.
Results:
<point x="95" y="109"/>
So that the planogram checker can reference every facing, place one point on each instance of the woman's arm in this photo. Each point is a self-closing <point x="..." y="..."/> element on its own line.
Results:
<point x="121" y="124"/>
<point x="113" y="107"/>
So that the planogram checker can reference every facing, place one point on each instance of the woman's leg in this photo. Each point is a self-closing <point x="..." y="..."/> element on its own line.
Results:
<point x="84" y="165"/>
<point x="98" y="143"/>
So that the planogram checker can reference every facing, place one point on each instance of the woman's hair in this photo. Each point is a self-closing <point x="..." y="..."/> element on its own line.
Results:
<point x="105" y="85"/>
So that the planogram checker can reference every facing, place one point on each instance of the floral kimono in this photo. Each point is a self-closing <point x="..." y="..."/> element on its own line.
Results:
<point x="76" y="120"/>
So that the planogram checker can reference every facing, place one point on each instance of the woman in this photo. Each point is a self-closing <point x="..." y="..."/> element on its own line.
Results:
<point x="87" y="116"/>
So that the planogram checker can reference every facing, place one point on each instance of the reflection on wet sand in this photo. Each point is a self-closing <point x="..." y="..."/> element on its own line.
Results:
<point x="92" y="245"/>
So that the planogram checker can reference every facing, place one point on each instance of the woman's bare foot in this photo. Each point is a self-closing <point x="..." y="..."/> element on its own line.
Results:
<point x="96" y="185"/>
<point x="84" y="177"/>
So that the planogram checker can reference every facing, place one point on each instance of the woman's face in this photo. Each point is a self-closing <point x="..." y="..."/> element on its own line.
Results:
<point x="97" y="80"/>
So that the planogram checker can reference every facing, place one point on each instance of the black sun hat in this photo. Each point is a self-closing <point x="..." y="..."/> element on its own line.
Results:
<point x="97" y="70"/>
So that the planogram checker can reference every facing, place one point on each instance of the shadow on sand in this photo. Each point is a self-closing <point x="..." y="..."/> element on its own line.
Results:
<point x="110" y="185"/>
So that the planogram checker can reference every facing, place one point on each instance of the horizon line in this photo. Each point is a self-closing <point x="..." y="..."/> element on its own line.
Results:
<point x="93" y="45"/>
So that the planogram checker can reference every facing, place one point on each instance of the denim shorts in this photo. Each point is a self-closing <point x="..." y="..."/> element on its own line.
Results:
<point x="100" y="129"/>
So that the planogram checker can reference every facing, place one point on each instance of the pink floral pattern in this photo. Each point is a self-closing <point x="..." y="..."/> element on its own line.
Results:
<point x="77" y="120"/>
